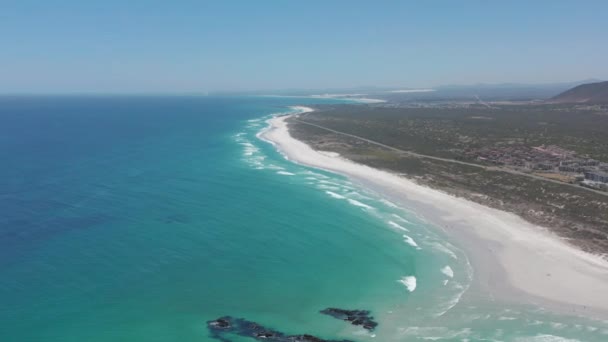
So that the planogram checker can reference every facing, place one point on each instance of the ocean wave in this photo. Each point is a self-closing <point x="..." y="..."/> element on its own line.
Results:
<point x="285" y="173"/>
<point x="409" y="282"/>
<point x="400" y="218"/>
<point x="249" y="149"/>
<point x="328" y="182"/>
<point x="447" y="306"/>
<point x="334" y="195"/>
<point x="458" y="286"/>
<point x="398" y="226"/>
<point x="441" y="248"/>
<point x="359" y="204"/>
<point x="447" y="270"/>
<point x="327" y="187"/>
<point x="389" y="203"/>
<point x="410" y="241"/>
<point x="436" y="333"/>
<point x="545" y="338"/>
<point x="275" y="167"/>
<point x="355" y="194"/>
<point x="315" y="174"/>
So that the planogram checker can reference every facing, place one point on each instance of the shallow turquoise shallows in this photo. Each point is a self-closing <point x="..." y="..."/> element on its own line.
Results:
<point x="142" y="218"/>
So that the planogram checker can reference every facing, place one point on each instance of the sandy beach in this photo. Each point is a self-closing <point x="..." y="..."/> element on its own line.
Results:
<point x="512" y="259"/>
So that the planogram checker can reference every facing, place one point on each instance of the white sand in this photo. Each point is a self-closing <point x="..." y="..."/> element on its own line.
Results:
<point x="512" y="259"/>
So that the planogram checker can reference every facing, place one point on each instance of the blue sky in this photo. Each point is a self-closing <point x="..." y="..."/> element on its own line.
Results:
<point x="184" y="46"/>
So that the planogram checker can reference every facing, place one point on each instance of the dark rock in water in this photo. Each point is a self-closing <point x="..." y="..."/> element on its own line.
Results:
<point x="226" y="325"/>
<point x="355" y="317"/>
<point x="220" y="323"/>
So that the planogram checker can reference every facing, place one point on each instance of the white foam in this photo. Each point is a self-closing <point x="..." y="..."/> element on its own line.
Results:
<point x="410" y="241"/>
<point x="285" y="173"/>
<point x="441" y="248"/>
<point x="557" y="325"/>
<point x="359" y="204"/>
<point x="301" y="109"/>
<point x="334" y="195"/>
<point x="316" y="174"/>
<point x="398" y="226"/>
<point x="447" y="270"/>
<point x="358" y="195"/>
<point x="401" y="218"/>
<point x="389" y="203"/>
<point x="455" y="300"/>
<point x="328" y="182"/>
<point x="409" y="282"/>
<point x="545" y="338"/>
<point x="328" y="187"/>
<point x="249" y="149"/>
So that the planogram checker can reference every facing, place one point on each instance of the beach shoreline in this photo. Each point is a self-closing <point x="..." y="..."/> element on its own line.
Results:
<point x="513" y="260"/>
<point x="356" y="98"/>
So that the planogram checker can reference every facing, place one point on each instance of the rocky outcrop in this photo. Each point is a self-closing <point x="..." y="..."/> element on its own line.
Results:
<point x="355" y="317"/>
<point x="222" y="327"/>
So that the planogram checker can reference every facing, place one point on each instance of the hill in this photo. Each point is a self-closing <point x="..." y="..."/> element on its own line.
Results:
<point x="592" y="93"/>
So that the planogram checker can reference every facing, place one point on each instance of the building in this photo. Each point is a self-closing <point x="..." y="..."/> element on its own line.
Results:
<point x="597" y="176"/>
<point x="564" y="168"/>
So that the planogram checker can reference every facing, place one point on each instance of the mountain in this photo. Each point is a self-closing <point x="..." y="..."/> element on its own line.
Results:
<point x="592" y="93"/>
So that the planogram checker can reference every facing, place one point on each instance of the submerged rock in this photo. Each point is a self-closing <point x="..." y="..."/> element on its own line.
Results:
<point x="220" y="323"/>
<point x="226" y="325"/>
<point x="355" y="317"/>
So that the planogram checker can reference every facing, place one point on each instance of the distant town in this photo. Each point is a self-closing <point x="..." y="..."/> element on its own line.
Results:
<point x="551" y="162"/>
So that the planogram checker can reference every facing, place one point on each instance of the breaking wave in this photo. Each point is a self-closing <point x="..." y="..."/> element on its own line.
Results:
<point x="409" y="282"/>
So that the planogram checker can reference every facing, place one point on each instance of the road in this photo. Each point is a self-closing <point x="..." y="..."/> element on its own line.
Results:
<point x="414" y="154"/>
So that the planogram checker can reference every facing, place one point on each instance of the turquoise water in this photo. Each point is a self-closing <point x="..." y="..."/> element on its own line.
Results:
<point x="141" y="218"/>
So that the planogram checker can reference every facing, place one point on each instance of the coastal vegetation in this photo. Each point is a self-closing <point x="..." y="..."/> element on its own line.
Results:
<point x="441" y="147"/>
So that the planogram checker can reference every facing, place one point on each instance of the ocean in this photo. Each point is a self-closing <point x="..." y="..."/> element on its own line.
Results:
<point x="142" y="218"/>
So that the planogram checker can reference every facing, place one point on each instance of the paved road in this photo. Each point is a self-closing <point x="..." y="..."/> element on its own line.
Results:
<point x="414" y="154"/>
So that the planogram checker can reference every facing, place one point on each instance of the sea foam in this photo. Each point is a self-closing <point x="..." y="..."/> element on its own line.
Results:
<point x="410" y="241"/>
<point x="359" y="204"/>
<point x="409" y="282"/>
<point x="447" y="270"/>
<point x="388" y="203"/>
<point x="398" y="226"/>
<point x="334" y="195"/>
<point x="441" y="248"/>
<point x="400" y="218"/>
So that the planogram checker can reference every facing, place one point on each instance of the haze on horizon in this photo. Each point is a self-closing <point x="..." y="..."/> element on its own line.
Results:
<point x="70" y="46"/>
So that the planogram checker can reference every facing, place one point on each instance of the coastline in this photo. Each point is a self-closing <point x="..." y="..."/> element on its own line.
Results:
<point x="513" y="260"/>
<point x="357" y="98"/>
